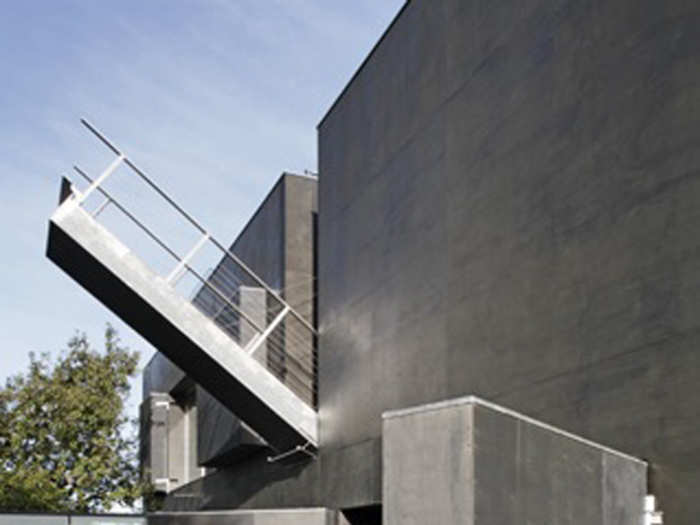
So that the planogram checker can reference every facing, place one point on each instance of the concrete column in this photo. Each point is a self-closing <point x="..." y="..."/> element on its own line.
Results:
<point x="252" y="301"/>
<point x="154" y="439"/>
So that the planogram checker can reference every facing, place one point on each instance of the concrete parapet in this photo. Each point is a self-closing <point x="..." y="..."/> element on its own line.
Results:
<point x="470" y="462"/>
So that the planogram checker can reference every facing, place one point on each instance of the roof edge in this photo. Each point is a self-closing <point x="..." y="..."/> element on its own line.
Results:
<point x="475" y="400"/>
<point x="363" y="64"/>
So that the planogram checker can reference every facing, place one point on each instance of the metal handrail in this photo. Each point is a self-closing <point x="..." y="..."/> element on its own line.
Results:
<point x="126" y="212"/>
<point x="293" y="348"/>
<point x="153" y="236"/>
<point x="195" y="223"/>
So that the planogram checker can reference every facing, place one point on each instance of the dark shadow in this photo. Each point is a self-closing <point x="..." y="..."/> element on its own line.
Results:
<point x="370" y="515"/>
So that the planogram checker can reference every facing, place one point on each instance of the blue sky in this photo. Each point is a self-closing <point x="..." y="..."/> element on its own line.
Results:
<point x="213" y="98"/>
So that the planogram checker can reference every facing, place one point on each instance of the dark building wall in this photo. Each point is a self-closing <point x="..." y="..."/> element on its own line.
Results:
<point x="160" y="375"/>
<point x="276" y="243"/>
<point x="508" y="207"/>
<point x="277" y="240"/>
<point x="261" y="242"/>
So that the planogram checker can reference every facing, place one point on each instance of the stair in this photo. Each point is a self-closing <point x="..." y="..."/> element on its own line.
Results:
<point x="194" y="339"/>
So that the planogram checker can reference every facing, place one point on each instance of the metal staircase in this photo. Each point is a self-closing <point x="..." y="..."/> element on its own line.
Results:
<point x="235" y="336"/>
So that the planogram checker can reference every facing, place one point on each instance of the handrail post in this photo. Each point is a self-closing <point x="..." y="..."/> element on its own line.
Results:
<point x="257" y="341"/>
<point x="266" y="334"/>
<point x="101" y="207"/>
<point x="103" y="176"/>
<point x="175" y="275"/>
<point x="196" y="224"/>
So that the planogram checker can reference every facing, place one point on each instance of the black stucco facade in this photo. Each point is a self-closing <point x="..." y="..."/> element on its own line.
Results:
<point x="509" y="207"/>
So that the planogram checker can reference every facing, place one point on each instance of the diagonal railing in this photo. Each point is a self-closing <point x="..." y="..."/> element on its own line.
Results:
<point x="241" y="303"/>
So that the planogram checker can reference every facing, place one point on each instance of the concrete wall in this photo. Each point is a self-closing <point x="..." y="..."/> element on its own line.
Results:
<point x="508" y="207"/>
<point x="469" y="462"/>
<point x="222" y="438"/>
<point x="298" y="230"/>
<point x="153" y="439"/>
<point x="168" y="440"/>
<point x="277" y="243"/>
<point x="253" y="483"/>
<point x="339" y="478"/>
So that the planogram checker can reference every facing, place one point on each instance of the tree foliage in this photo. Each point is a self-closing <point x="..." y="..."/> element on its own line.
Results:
<point x="65" y="443"/>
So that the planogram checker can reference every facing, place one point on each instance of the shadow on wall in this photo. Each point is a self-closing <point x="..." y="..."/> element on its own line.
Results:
<point x="253" y="483"/>
<point x="371" y="515"/>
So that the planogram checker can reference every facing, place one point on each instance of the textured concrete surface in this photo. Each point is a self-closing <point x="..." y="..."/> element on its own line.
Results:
<point x="254" y="483"/>
<point x="473" y="463"/>
<point x="153" y="439"/>
<point x="508" y="207"/>
<point x="259" y="517"/>
<point x="349" y="476"/>
<point x="168" y="439"/>
<point x="105" y="267"/>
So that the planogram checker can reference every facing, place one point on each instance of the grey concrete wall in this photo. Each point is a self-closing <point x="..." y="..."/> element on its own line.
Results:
<point x="467" y="462"/>
<point x="253" y="483"/>
<point x="168" y="441"/>
<point x="299" y="283"/>
<point x="339" y="478"/>
<point x="508" y="206"/>
<point x="299" y="276"/>
<point x="153" y="439"/>
<point x="178" y="436"/>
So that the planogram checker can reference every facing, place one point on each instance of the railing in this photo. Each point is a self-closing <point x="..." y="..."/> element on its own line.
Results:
<point x="241" y="303"/>
<point x="50" y="518"/>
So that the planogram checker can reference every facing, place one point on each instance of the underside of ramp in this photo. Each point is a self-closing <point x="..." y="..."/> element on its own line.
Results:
<point x="105" y="267"/>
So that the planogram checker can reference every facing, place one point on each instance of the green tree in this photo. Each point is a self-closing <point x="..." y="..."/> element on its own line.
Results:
<point x="65" y="443"/>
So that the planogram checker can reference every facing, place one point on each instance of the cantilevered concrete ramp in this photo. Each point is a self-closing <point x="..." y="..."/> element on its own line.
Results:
<point x="96" y="259"/>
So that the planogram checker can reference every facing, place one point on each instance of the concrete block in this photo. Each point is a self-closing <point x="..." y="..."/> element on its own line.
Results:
<point x="470" y="462"/>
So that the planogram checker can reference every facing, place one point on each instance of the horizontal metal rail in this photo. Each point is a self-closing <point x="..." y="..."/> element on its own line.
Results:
<point x="179" y="259"/>
<point x="129" y="215"/>
<point x="193" y="221"/>
<point x="279" y="336"/>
